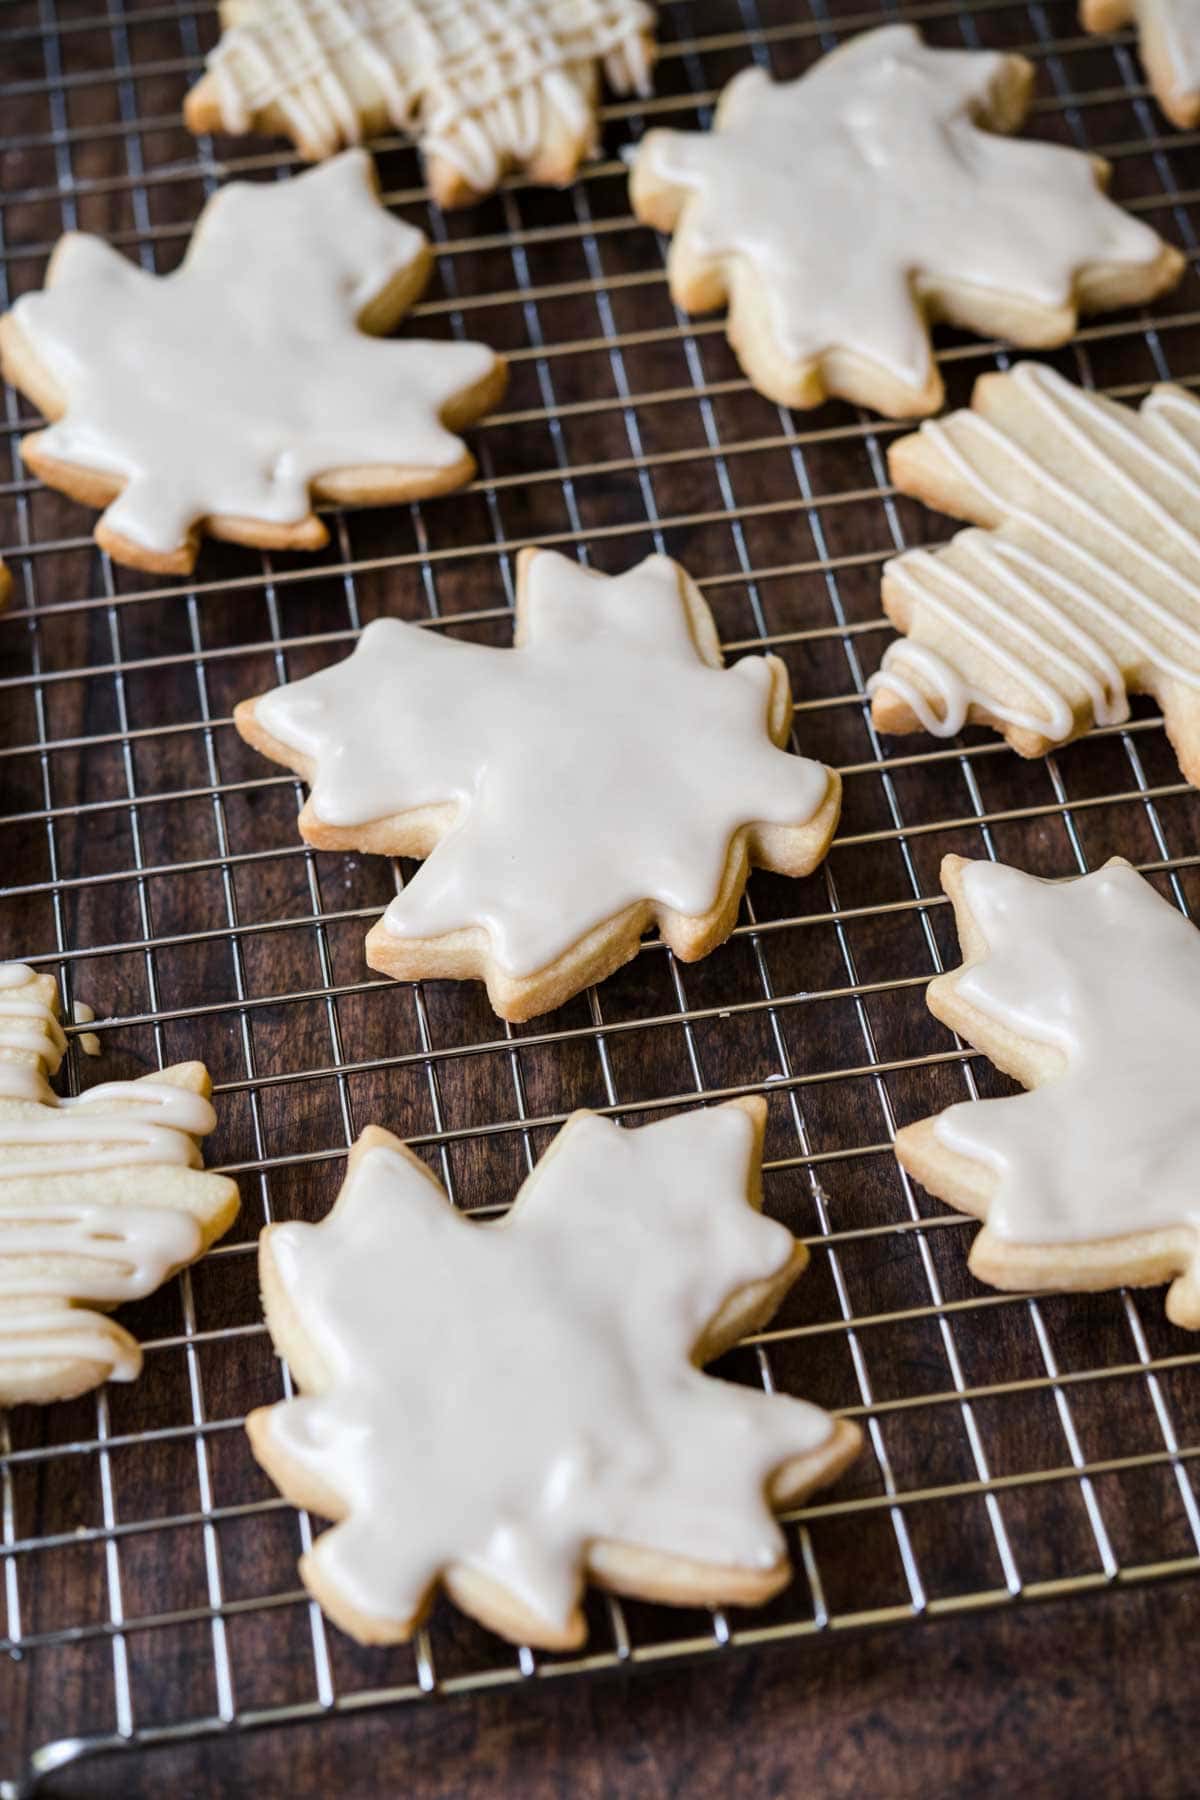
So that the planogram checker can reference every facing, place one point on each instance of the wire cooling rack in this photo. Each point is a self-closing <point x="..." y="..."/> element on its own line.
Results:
<point x="1016" y="1448"/>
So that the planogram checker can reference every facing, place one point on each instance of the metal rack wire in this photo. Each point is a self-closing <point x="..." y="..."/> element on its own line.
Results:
<point x="1018" y="1448"/>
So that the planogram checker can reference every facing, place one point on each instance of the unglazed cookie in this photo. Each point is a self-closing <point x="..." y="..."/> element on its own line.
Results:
<point x="483" y="85"/>
<point x="506" y="1408"/>
<point x="1169" y="41"/>
<point x="1087" y="992"/>
<point x="605" y="774"/>
<point x="101" y="1199"/>
<point x="227" y="396"/>
<point x="5" y="586"/>
<point x="841" y="213"/>
<point x="1085" y="588"/>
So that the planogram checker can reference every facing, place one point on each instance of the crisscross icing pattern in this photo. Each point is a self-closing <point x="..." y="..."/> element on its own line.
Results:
<point x="1089" y="587"/>
<point x="476" y="80"/>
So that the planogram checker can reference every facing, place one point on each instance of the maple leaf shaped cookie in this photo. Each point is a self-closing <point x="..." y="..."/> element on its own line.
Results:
<point x="1169" y="41"/>
<point x="101" y="1199"/>
<point x="227" y="395"/>
<point x="839" y="213"/>
<point x="1087" y="992"/>
<point x="484" y="85"/>
<point x="502" y="1407"/>
<point x="605" y="773"/>
<point x="1085" y="589"/>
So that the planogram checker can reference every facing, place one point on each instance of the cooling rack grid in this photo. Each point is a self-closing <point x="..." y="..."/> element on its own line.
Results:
<point x="1015" y="1448"/>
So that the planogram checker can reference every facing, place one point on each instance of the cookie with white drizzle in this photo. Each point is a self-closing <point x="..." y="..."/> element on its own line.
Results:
<point x="483" y="85"/>
<point x="605" y="774"/>
<point x="1169" y="45"/>
<point x="102" y="1198"/>
<point x="230" y="395"/>
<point x="1088" y="993"/>
<point x="839" y="214"/>
<point x="583" y="1439"/>
<point x="1085" y="586"/>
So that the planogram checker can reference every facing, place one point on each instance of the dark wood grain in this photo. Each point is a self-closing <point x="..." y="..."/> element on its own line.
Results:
<point x="1070" y="1698"/>
<point x="1093" y="1696"/>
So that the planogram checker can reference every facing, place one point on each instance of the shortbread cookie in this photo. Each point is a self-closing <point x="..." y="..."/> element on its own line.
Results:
<point x="840" y="213"/>
<point x="1087" y="992"/>
<point x="101" y="1199"/>
<point x="483" y="85"/>
<point x="1085" y="589"/>
<point x="227" y="396"/>
<point x="1169" y="42"/>
<point x="507" y="1408"/>
<point x="605" y="774"/>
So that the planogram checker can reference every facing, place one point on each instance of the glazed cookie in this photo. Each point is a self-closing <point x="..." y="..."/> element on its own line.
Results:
<point x="1088" y="993"/>
<point x="841" y="213"/>
<point x="605" y="774"/>
<point x="483" y="85"/>
<point x="227" y="396"/>
<point x="1169" y="41"/>
<point x="507" y="1408"/>
<point x="101" y="1199"/>
<point x="1085" y="588"/>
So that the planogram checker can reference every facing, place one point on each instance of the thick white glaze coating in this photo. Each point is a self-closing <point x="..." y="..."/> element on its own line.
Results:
<point x="1107" y="972"/>
<point x="476" y="80"/>
<point x="499" y="1396"/>
<point x="1091" y="584"/>
<point x="848" y="188"/>
<point x="227" y="387"/>
<point x="600" y="763"/>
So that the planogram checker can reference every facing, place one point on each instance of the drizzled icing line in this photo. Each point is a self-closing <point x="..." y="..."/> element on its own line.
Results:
<point x="566" y="1333"/>
<point x="1085" y="588"/>
<point x="478" y="81"/>
<point x="52" y="1151"/>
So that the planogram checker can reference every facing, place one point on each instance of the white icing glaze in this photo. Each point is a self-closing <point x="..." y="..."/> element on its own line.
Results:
<point x="561" y="1406"/>
<point x="480" y="82"/>
<point x="867" y="179"/>
<point x="601" y="763"/>
<point x="1107" y="973"/>
<point x="230" y="385"/>
<point x="125" y="1251"/>
<point x="56" y="1333"/>
<point x="1091" y="584"/>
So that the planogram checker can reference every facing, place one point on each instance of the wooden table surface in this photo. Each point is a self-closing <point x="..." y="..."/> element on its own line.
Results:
<point x="153" y="858"/>
<point x="1069" y="1698"/>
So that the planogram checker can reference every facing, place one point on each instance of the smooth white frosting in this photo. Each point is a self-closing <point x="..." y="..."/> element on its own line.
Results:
<point x="600" y="763"/>
<point x="1091" y="585"/>
<point x="50" y="1149"/>
<point x="866" y="178"/>
<point x="480" y="82"/>
<point x="502" y="1395"/>
<point x="228" y="386"/>
<point x="1107" y="972"/>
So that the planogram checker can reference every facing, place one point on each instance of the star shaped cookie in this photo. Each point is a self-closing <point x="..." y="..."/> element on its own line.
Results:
<point x="483" y="85"/>
<point x="604" y="774"/>
<point x="504" y="1408"/>
<point x="841" y="213"/>
<point x="1088" y="993"/>
<point x="1169" y="41"/>
<point x="1084" y="589"/>
<point x="229" y="395"/>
